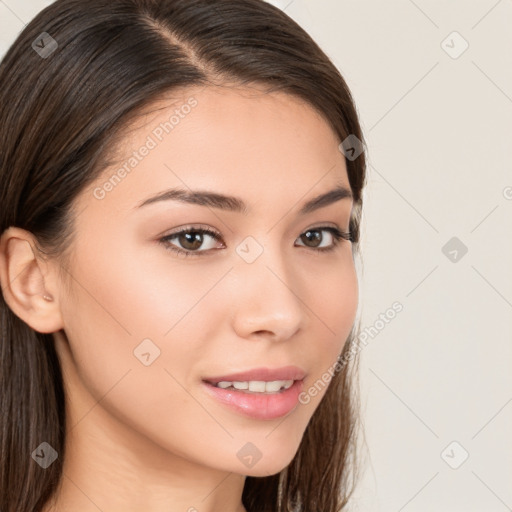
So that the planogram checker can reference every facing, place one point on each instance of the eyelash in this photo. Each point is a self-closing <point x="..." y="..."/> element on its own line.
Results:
<point x="336" y="233"/>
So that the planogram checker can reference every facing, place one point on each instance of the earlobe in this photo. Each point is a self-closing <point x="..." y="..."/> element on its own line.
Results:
<point x="26" y="283"/>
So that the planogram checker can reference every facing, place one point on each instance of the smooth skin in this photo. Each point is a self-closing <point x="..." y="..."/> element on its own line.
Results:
<point x="149" y="437"/>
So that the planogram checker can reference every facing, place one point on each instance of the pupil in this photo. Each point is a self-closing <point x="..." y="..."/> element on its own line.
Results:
<point x="194" y="239"/>
<point x="316" y="236"/>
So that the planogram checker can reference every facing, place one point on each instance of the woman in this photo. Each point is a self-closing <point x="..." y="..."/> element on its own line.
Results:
<point x="181" y="187"/>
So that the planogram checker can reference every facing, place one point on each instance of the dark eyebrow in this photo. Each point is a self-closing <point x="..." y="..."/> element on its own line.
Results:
<point x="235" y="204"/>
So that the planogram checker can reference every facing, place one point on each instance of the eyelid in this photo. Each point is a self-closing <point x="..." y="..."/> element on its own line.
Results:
<point x="193" y="227"/>
<point x="212" y="231"/>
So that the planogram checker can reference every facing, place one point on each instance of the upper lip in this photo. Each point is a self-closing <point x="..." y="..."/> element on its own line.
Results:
<point x="261" y="374"/>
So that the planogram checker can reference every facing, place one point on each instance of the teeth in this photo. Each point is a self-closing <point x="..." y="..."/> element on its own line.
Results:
<point x="257" y="386"/>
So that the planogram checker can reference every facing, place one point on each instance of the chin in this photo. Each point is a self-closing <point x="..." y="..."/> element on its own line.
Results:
<point x="271" y="464"/>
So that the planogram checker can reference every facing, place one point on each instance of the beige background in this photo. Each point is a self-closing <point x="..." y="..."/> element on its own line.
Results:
<point x="436" y="380"/>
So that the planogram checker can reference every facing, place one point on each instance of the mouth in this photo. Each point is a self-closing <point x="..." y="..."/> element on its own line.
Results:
<point x="259" y="379"/>
<point x="255" y="386"/>
<point x="260" y="393"/>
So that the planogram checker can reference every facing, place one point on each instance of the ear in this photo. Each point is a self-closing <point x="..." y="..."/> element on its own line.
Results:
<point x="26" y="278"/>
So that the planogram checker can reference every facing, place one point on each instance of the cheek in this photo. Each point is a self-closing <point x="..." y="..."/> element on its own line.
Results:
<point x="125" y="316"/>
<point x="333" y="304"/>
<point x="125" y="308"/>
<point x="333" y="301"/>
<point x="134" y="293"/>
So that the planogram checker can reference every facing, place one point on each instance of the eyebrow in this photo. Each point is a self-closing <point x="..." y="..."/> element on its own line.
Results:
<point x="236" y="204"/>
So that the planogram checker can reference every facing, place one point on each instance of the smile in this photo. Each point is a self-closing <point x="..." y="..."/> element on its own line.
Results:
<point x="256" y="386"/>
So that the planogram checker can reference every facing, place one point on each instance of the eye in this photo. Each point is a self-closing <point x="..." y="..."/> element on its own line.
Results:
<point x="192" y="238"/>
<point x="313" y="235"/>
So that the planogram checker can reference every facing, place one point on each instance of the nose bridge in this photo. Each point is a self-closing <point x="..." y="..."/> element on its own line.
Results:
<point x="267" y="298"/>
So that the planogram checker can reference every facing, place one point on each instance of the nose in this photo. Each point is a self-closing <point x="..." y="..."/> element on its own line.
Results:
<point x="268" y="300"/>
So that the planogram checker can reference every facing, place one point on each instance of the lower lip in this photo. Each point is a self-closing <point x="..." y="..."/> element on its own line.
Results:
<point x="263" y="406"/>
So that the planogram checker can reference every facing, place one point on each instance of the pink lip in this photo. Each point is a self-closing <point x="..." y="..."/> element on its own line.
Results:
<point x="263" y="406"/>
<point x="265" y="374"/>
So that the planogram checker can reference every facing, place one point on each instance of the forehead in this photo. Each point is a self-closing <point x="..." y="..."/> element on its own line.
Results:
<point x="236" y="140"/>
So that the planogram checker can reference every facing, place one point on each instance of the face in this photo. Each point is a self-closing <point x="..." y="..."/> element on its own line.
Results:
<point x="157" y="306"/>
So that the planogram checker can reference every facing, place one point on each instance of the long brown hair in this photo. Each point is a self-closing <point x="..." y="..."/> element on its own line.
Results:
<point x="64" y="98"/>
